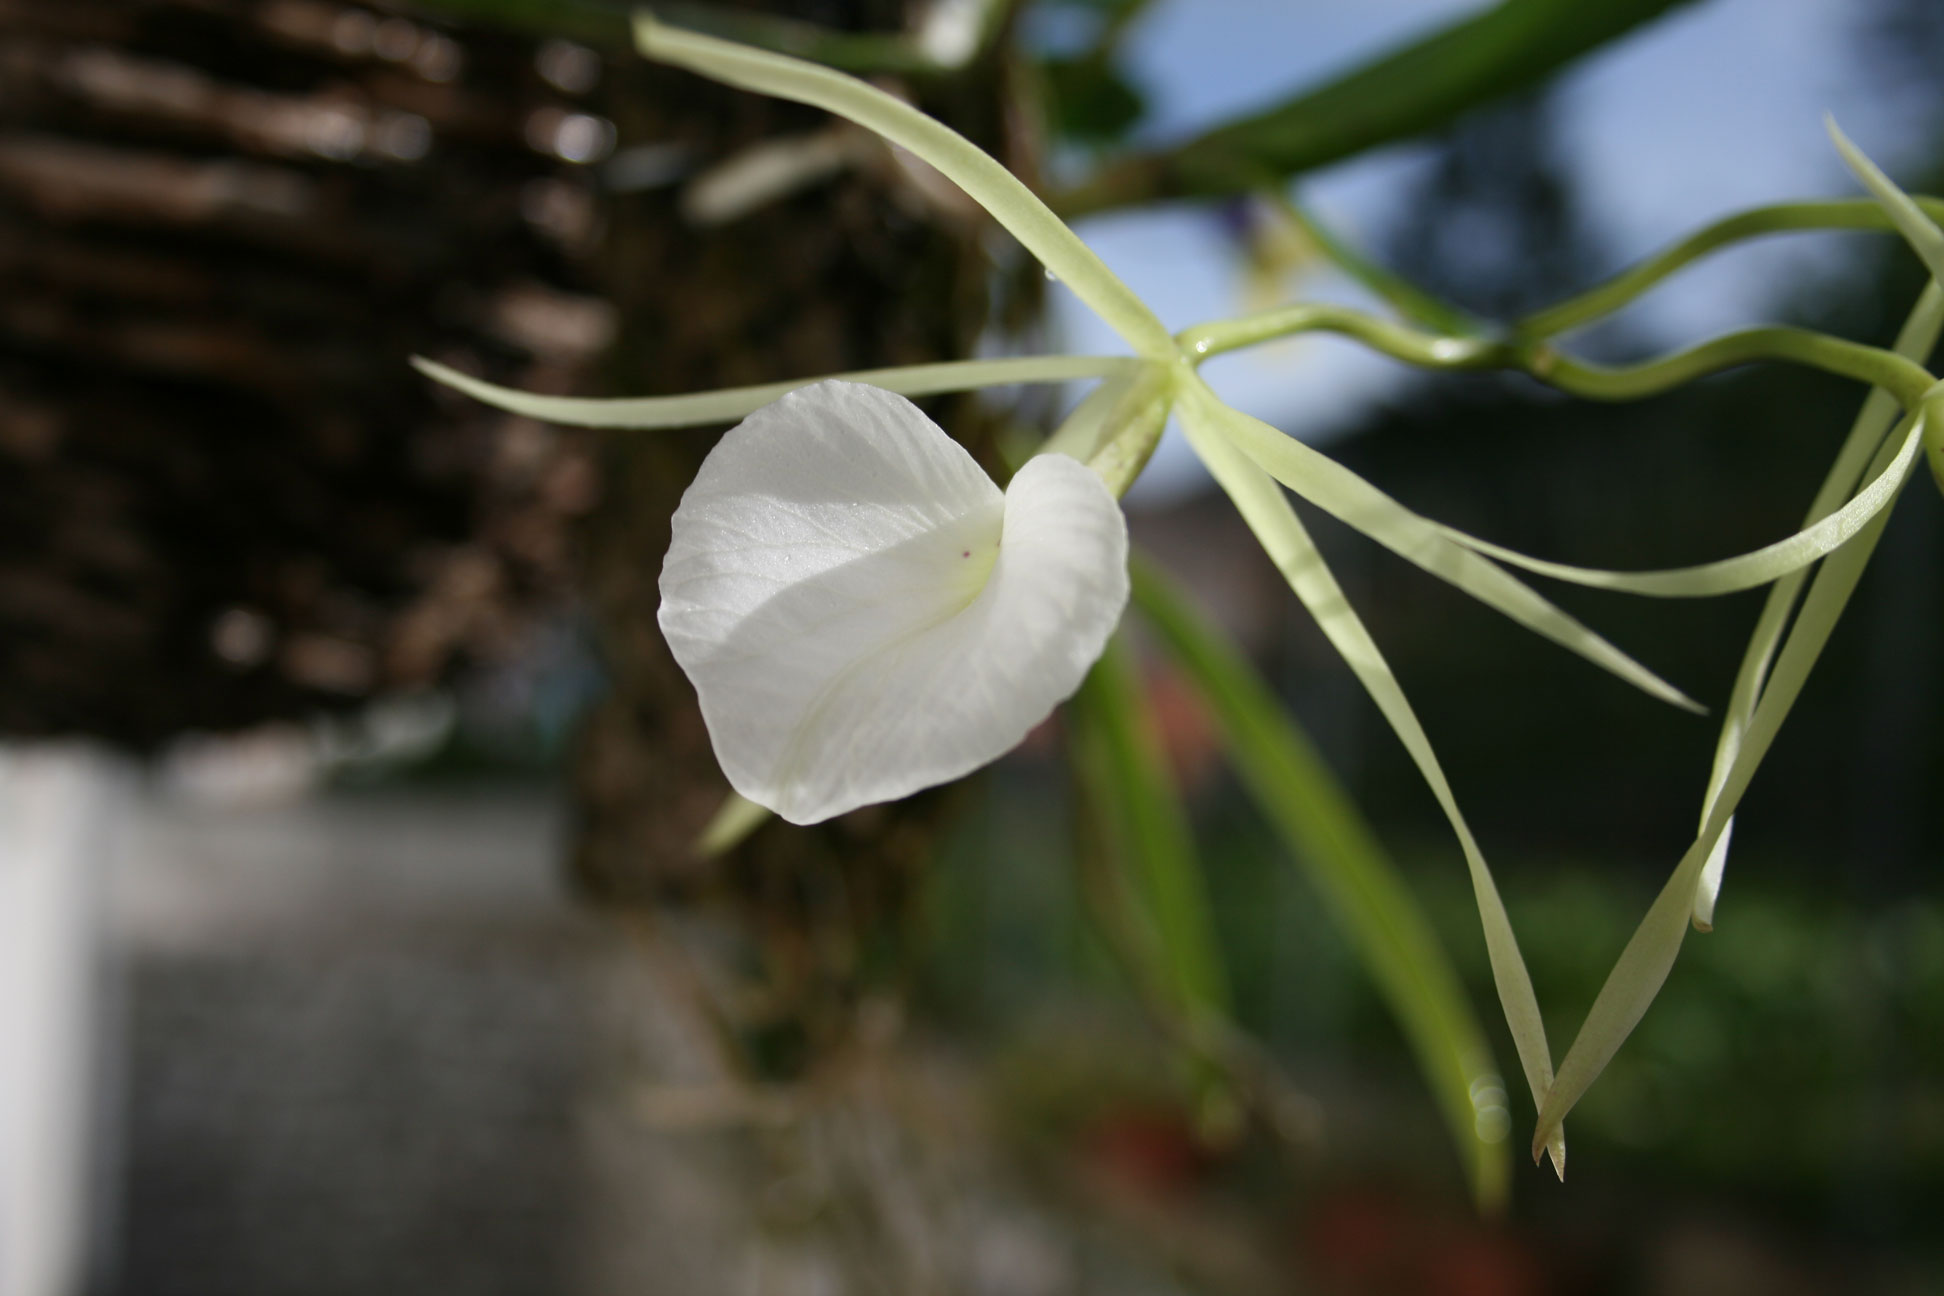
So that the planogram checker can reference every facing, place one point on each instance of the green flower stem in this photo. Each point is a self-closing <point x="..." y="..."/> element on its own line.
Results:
<point x="1643" y="966"/>
<point x="1407" y="91"/>
<point x="728" y="404"/>
<point x="1329" y="838"/>
<point x="1400" y="341"/>
<point x="1136" y="424"/>
<point x="1783" y="218"/>
<point x="1904" y="379"/>
<point x="1919" y="230"/>
<point x="1916" y="340"/>
<point x="1146" y="837"/>
<point x="1934" y="451"/>
<point x="730" y="826"/>
<point x="1403" y="296"/>
<point x="1003" y="195"/>
<point x="1093" y="422"/>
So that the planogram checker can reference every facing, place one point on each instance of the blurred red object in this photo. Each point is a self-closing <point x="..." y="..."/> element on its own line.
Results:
<point x="1374" y="1242"/>
<point x="1151" y="1149"/>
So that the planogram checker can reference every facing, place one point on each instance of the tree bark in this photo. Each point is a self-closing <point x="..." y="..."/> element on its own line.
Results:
<point x="858" y="269"/>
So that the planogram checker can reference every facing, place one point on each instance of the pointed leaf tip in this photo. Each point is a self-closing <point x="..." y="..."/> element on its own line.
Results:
<point x="1268" y="514"/>
<point x="1550" y="1146"/>
<point x="1918" y="230"/>
<point x="1342" y="493"/>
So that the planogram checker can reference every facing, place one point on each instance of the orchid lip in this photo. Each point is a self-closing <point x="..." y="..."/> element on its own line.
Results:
<point x="864" y="613"/>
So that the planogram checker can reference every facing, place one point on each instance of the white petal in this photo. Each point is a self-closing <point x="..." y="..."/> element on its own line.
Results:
<point x="864" y="614"/>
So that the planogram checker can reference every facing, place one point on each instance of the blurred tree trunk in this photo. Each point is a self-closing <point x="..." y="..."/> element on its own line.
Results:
<point x="225" y="225"/>
<point x="860" y="267"/>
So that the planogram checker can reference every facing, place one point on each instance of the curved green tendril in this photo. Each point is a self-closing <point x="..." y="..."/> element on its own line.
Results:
<point x="1904" y="379"/>
<point x="1400" y="341"/>
<point x="727" y="404"/>
<point x="1759" y="222"/>
<point x="1403" y="296"/>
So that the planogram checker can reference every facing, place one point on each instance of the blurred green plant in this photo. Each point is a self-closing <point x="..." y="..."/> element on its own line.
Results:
<point x="1144" y="830"/>
<point x="1420" y="87"/>
<point x="1319" y="823"/>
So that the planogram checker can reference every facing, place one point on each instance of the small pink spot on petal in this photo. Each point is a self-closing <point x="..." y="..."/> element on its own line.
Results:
<point x="966" y="553"/>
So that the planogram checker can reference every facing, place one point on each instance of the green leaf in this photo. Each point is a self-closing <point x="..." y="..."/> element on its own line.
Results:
<point x="1918" y="230"/>
<point x="1781" y="218"/>
<point x="982" y="178"/>
<point x="1406" y="298"/>
<point x="1131" y="428"/>
<point x="1319" y="822"/>
<point x="1755" y="713"/>
<point x="1268" y="514"/>
<point x="1117" y="754"/>
<point x="1745" y="571"/>
<point x="1091" y="101"/>
<point x="1916" y="339"/>
<point x="1418" y="88"/>
<point x="1649" y="956"/>
<point x="732" y="403"/>
<point x="1094" y="420"/>
<point x="1104" y="8"/>
<point x="1344" y="495"/>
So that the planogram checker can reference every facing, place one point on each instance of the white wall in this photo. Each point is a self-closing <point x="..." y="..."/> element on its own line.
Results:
<point x="59" y="807"/>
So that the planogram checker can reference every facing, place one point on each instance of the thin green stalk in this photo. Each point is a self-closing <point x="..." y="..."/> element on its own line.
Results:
<point x="1649" y="956"/>
<point x="730" y="825"/>
<point x="731" y="403"/>
<point x="983" y="179"/>
<point x="1744" y="571"/>
<point x="1904" y="379"/>
<point x="1917" y="227"/>
<point x="1334" y="844"/>
<point x="1134" y="429"/>
<point x="1216" y="429"/>
<point x="1782" y="218"/>
<point x="1093" y="422"/>
<point x="1419" y="87"/>
<point x="1268" y="514"/>
<point x="1117" y="753"/>
<point x="1403" y="296"/>
<point x="1917" y="339"/>
<point x="1400" y="341"/>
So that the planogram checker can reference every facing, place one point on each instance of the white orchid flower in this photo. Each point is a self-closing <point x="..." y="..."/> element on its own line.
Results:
<point x="864" y="614"/>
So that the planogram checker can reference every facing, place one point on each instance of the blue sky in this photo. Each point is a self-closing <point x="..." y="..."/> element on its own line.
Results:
<point x="1715" y="108"/>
